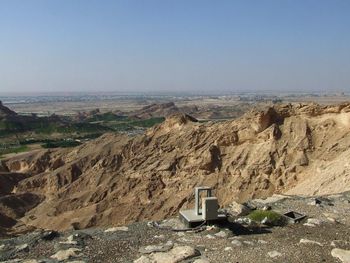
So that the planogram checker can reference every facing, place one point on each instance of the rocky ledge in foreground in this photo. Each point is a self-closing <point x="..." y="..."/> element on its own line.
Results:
<point x="323" y="236"/>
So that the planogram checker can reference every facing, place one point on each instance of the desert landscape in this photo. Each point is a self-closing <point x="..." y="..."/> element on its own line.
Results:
<point x="297" y="151"/>
<point x="174" y="131"/>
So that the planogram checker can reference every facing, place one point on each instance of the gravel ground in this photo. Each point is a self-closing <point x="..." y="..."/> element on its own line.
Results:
<point x="231" y="242"/>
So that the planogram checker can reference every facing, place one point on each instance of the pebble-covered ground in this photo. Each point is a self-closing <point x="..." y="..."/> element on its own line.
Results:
<point x="324" y="236"/>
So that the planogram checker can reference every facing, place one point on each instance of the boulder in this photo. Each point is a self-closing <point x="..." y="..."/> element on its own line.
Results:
<point x="236" y="243"/>
<point x="118" y="228"/>
<point x="221" y="234"/>
<point x="66" y="254"/>
<point x="177" y="254"/>
<point x="274" y="254"/>
<point x="156" y="248"/>
<point x="341" y="254"/>
<point x="312" y="242"/>
<point x="237" y="209"/>
<point x="22" y="248"/>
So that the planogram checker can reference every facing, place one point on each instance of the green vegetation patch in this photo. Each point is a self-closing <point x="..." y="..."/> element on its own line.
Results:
<point x="273" y="218"/>
<point x="16" y="149"/>
<point x="61" y="143"/>
<point x="69" y="128"/>
<point x="46" y="126"/>
<point x="108" y="116"/>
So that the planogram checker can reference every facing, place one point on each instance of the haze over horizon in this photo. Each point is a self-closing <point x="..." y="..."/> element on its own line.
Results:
<point x="174" y="46"/>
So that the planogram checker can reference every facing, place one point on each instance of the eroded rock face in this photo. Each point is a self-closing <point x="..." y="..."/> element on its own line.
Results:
<point x="14" y="207"/>
<point x="116" y="179"/>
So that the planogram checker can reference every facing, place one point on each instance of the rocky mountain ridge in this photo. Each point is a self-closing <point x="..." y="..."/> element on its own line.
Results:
<point x="114" y="180"/>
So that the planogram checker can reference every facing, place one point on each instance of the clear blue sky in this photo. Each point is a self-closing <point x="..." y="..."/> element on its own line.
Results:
<point x="178" y="45"/>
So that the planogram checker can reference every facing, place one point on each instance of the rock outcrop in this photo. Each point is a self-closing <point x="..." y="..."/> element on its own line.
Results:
<point x="4" y="111"/>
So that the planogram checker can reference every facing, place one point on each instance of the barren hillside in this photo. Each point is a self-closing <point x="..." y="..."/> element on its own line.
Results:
<point x="4" y="111"/>
<point x="295" y="149"/>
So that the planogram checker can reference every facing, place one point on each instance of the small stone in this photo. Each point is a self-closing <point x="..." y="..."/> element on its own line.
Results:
<point x="159" y="237"/>
<point x="185" y="240"/>
<point x="227" y="248"/>
<point x="260" y="241"/>
<point x="236" y="243"/>
<point x="66" y="254"/>
<point x="315" y="201"/>
<point x="308" y="224"/>
<point x="209" y="228"/>
<point x="341" y="254"/>
<point x="314" y="221"/>
<point x="265" y="221"/>
<point x="22" y="248"/>
<point x="118" y="228"/>
<point x="248" y="242"/>
<point x="332" y="217"/>
<point x="333" y="220"/>
<point x="274" y="254"/>
<point x="307" y="241"/>
<point x="70" y="241"/>
<point x="74" y="239"/>
<point x="2" y="247"/>
<point x="267" y="208"/>
<point x="201" y="260"/>
<point x="210" y="236"/>
<point x="157" y="248"/>
<point x="244" y="221"/>
<point x="222" y="234"/>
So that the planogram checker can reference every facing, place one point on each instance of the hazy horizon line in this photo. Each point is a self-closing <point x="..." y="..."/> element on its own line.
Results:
<point x="173" y="93"/>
